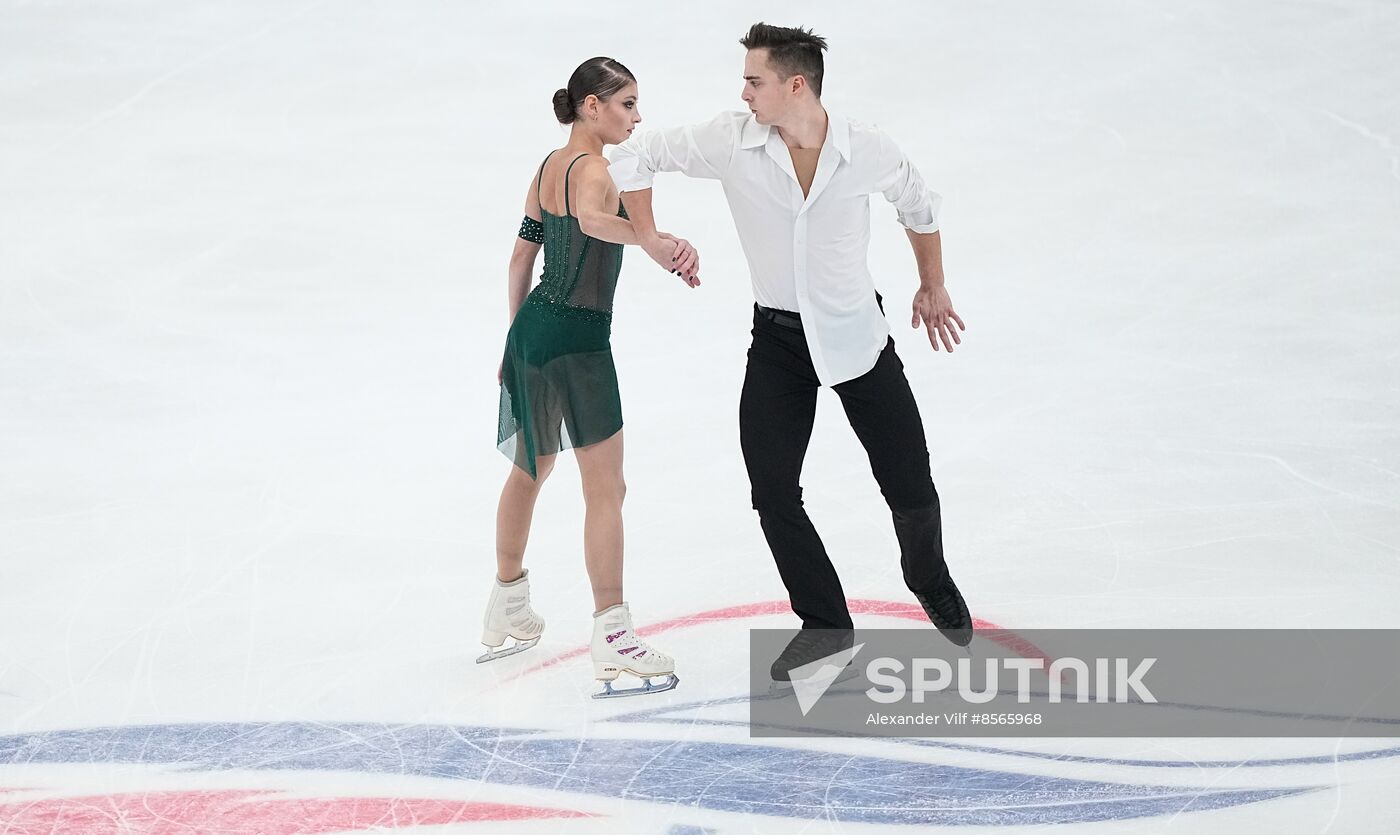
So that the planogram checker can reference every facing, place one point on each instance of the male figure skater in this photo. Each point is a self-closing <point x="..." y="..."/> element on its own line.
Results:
<point x="798" y="180"/>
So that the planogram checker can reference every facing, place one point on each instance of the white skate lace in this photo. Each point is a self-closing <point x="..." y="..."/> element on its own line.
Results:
<point x="519" y="614"/>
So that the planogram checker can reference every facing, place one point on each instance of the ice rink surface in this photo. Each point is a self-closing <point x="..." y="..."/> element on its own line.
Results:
<point x="252" y="300"/>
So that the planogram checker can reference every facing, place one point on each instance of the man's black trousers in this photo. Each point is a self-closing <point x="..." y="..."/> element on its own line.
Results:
<point x="776" y="412"/>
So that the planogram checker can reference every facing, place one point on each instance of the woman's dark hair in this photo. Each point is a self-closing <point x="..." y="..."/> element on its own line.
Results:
<point x="790" y="51"/>
<point x="600" y="77"/>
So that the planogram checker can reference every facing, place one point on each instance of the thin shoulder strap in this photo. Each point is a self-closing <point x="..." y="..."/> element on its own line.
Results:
<point x="539" y="178"/>
<point x="566" y="181"/>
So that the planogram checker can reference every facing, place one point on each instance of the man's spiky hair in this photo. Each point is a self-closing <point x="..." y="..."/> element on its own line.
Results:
<point x="790" y="51"/>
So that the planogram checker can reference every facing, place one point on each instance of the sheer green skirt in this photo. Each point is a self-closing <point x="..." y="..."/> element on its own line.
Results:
<point x="558" y="382"/>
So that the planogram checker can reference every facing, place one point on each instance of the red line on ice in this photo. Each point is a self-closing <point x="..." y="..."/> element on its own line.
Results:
<point x="887" y="608"/>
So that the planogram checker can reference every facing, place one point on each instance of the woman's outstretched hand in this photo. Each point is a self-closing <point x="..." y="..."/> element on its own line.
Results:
<point x="677" y="255"/>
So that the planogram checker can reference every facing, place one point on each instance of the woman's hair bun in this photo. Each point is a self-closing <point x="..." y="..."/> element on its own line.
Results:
<point x="563" y="108"/>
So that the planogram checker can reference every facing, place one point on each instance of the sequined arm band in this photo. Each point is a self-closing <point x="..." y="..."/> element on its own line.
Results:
<point x="532" y="230"/>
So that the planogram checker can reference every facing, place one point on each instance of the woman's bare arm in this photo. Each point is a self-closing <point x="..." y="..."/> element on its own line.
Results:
<point x="523" y="257"/>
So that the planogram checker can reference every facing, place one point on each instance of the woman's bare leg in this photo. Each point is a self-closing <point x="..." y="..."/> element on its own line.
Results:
<point x="600" y="467"/>
<point x="513" y="514"/>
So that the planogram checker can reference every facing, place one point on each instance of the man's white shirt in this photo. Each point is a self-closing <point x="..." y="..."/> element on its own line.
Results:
<point x="806" y="255"/>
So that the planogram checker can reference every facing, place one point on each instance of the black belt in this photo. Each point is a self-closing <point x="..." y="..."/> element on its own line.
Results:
<point x="785" y="318"/>
<point x="789" y="319"/>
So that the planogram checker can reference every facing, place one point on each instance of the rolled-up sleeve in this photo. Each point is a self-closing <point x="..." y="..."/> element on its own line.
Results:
<point x="914" y="202"/>
<point x="702" y="150"/>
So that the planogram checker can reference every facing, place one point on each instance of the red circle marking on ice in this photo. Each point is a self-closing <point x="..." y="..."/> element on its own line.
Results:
<point x="887" y="608"/>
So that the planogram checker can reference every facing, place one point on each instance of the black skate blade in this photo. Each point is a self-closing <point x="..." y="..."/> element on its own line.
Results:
<point x="668" y="682"/>
<point x="495" y="654"/>
<point x="961" y="638"/>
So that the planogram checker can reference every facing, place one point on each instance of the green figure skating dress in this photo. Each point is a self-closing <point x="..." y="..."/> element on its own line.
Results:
<point x="558" y="382"/>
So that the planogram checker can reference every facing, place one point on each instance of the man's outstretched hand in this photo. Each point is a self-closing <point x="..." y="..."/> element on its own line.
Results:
<point x="934" y="310"/>
<point x="675" y="254"/>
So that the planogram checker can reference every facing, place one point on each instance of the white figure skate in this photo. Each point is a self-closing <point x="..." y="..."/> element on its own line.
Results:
<point x="508" y="613"/>
<point x="616" y="649"/>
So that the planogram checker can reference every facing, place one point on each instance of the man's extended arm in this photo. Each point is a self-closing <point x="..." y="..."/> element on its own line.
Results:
<point x="932" y="306"/>
<point x="701" y="150"/>
<point x="917" y="207"/>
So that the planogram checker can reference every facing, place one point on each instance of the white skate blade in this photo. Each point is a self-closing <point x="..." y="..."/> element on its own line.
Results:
<point x="781" y="689"/>
<point x="668" y="682"/>
<point x="520" y="646"/>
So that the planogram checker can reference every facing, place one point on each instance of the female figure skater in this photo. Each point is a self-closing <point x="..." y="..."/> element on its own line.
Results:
<point x="558" y="383"/>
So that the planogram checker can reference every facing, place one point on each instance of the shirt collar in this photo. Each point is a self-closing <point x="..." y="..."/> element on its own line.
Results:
<point x="755" y="135"/>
